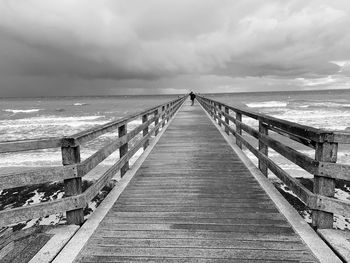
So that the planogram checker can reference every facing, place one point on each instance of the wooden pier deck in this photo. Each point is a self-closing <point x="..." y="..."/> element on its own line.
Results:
<point x="194" y="200"/>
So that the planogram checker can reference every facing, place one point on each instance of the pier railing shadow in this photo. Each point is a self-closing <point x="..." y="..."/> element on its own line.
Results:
<point x="73" y="169"/>
<point x="324" y="167"/>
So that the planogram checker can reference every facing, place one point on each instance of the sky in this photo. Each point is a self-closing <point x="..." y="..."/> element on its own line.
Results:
<point x="111" y="47"/>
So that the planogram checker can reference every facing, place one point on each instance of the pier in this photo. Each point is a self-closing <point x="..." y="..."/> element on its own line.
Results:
<point x="193" y="195"/>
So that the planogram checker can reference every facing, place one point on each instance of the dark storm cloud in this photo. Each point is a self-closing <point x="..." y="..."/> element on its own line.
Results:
<point x="158" y="40"/>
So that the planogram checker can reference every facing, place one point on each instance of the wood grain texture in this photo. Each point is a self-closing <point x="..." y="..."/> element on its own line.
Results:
<point x="193" y="200"/>
<point x="73" y="186"/>
<point x="326" y="152"/>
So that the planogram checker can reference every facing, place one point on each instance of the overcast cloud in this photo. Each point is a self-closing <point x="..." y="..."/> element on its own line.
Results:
<point x="135" y="46"/>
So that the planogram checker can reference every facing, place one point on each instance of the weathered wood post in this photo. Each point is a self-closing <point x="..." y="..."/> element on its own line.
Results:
<point x="122" y="130"/>
<point x="210" y="108"/>
<point x="263" y="148"/>
<point x="227" y="120"/>
<point x="325" y="152"/>
<point x="167" y="112"/>
<point x="171" y="109"/>
<point x="238" y="128"/>
<point x="219" y="113"/>
<point x="214" y="108"/>
<point x="156" y="121"/>
<point x="73" y="186"/>
<point x="145" y="131"/>
<point x="163" y="116"/>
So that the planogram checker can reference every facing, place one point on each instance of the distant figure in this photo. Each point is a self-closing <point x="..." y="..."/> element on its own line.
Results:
<point x="192" y="97"/>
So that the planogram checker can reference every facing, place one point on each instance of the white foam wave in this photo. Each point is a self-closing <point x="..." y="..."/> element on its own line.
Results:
<point x="22" y="111"/>
<point x="267" y="104"/>
<point x="79" y="104"/>
<point x="324" y="119"/>
<point x="54" y="120"/>
<point x="329" y="104"/>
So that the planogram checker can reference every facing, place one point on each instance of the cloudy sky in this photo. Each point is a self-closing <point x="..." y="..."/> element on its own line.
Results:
<point x="101" y="47"/>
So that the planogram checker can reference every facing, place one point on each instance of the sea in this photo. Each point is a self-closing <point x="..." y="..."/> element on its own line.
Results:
<point x="42" y="117"/>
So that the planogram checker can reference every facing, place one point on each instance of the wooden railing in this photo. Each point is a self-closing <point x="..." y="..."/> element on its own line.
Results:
<point x="324" y="167"/>
<point x="73" y="169"/>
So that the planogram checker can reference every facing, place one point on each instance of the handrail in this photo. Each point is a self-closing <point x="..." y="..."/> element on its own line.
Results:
<point x="27" y="145"/>
<point x="73" y="170"/>
<point x="323" y="166"/>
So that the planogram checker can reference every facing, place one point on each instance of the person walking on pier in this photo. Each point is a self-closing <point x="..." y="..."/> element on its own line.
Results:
<point x="192" y="97"/>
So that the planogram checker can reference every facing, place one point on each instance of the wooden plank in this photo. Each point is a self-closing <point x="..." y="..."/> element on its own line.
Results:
<point x="341" y="137"/>
<point x="304" y="141"/>
<point x="196" y="243"/>
<point x="339" y="240"/>
<point x="16" y="215"/>
<point x="205" y="253"/>
<point x="334" y="170"/>
<point x="27" y="145"/>
<point x="6" y="237"/>
<point x="175" y="234"/>
<point x="333" y="206"/>
<point x="37" y="176"/>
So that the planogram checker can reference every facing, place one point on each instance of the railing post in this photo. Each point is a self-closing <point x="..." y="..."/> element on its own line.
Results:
<point x="171" y="109"/>
<point x="214" y="112"/>
<point x="263" y="148"/>
<point x="238" y="129"/>
<point x="210" y="107"/>
<point x="156" y="121"/>
<point x="325" y="152"/>
<point x="163" y="116"/>
<point x="122" y="130"/>
<point x="227" y="121"/>
<point x="145" y="131"/>
<point x="71" y="155"/>
<point x="220" y="115"/>
<point x="167" y="112"/>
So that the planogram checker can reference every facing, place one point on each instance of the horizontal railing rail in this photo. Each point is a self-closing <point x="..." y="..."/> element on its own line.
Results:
<point x="324" y="167"/>
<point x="74" y="169"/>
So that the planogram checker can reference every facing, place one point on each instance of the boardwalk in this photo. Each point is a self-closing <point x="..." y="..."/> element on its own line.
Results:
<point x="193" y="200"/>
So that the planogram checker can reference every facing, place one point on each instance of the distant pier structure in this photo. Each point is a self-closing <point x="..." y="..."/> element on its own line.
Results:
<point x="192" y="196"/>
